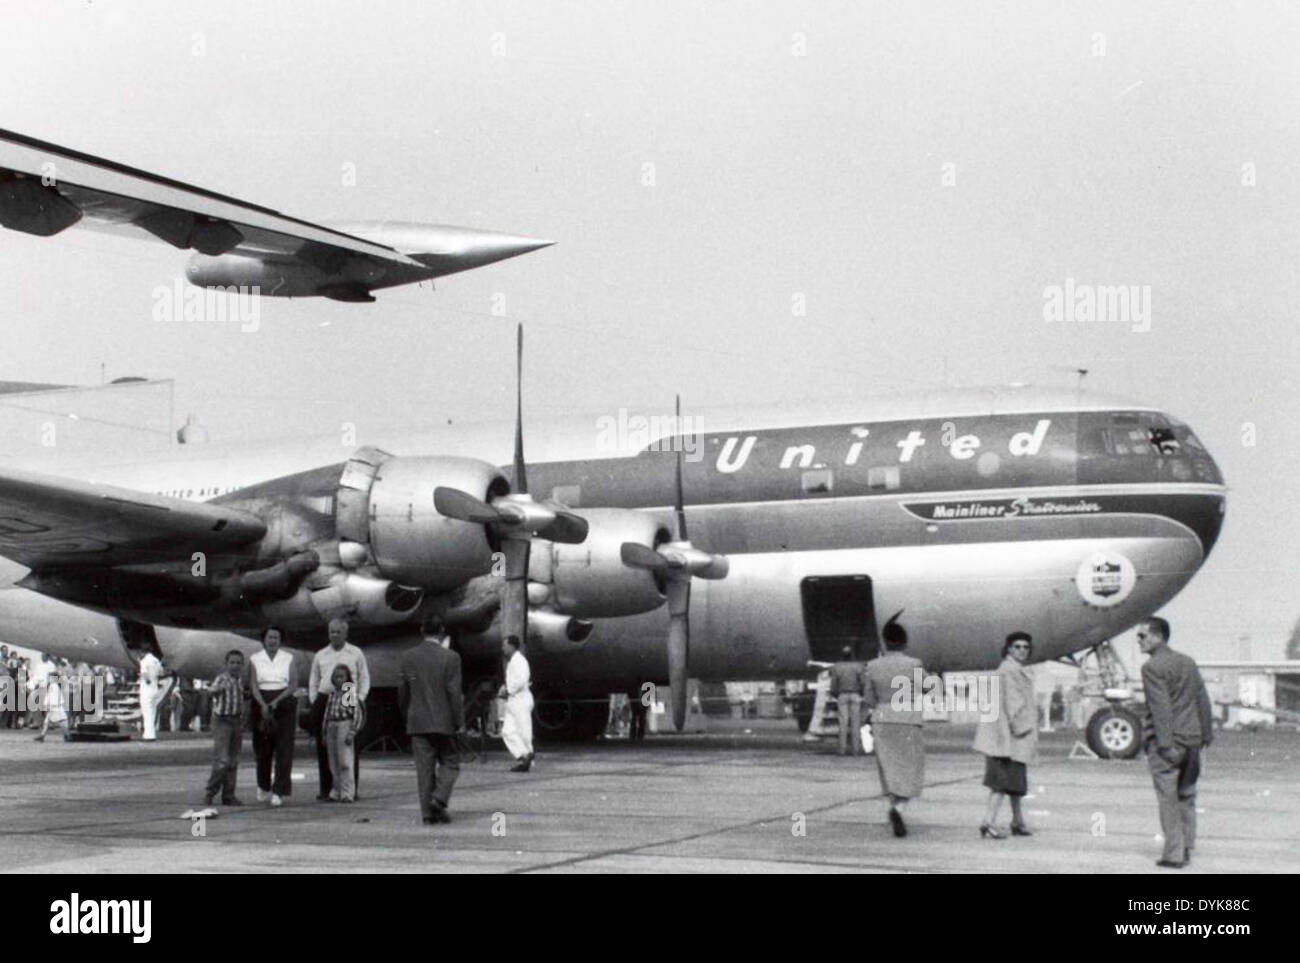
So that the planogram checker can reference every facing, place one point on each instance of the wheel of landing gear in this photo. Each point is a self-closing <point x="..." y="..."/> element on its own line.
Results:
<point x="570" y="720"/>
<point x="1115" y="733"/>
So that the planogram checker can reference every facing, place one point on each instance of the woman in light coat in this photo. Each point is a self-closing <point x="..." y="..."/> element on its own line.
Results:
<point x="1009" y="740"/>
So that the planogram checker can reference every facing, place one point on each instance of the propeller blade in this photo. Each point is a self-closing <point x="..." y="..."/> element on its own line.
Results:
<point x="521" y="477"/>
<point x="455" y="503"/>
<point x="680" y="502"/>
<point x="514" y="597"/>
<point x="639" y="556"/>
<point x="679" y="647"/>
<point x="567" y="528"/>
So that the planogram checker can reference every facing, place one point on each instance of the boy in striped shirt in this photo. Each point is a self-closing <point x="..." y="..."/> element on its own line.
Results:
<point x="343" y="719"/>
<point x="227" y="730"/>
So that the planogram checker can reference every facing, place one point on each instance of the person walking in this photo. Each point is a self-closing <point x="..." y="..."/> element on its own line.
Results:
<point x="227" y="731"/>
<point x="272" y="681"/>
<point x="517" y="729"/>
<point x="339" y="652"/>
<point x="1009" y="738"/>
<point x="1180" y="723"/>
<point x="846" y="687"/>
<point x="433" y="706"/>
<point x="890" y="693"/>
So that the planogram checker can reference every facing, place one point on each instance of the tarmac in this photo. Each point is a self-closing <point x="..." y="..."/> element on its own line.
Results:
<point x="744" y="797"/>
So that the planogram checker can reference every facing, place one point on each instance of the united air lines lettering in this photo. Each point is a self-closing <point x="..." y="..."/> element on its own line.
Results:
<point x="728" y="461"/>
<point x="736" y="449"/>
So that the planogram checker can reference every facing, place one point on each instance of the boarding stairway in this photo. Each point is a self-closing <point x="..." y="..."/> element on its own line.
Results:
<point x="825" y="723"/>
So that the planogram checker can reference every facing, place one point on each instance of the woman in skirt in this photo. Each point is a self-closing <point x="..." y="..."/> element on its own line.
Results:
<point x="1010" y="739"/>
<point x="897" y="721"/>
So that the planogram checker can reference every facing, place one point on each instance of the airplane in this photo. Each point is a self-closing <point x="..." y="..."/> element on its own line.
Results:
<point x="46" y="189"/>
<point x="744" y="545"/>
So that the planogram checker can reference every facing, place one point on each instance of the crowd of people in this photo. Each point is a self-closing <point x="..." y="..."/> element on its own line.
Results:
<point x="261" y="692"/>
<point x="45" y="682"/>
<point x="430" y="698"/>
<point x="1178" y="725"/>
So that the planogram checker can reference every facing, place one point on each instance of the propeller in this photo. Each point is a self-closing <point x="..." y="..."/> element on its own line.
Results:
<point x="514" y="519"/>
<point x="675" y="563"/>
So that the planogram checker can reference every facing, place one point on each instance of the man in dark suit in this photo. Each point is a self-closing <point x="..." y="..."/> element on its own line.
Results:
<point x="433" y="706"/>
<point x="1179" y="723"/>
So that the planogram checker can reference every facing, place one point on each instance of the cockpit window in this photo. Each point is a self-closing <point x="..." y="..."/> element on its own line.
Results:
<point x="1141" y="447"/>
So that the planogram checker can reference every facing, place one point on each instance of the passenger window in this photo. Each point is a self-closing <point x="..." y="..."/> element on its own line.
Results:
<point x="818" y="481"/>
<point x="884" y="478"/>
<point x="568" y="495"/>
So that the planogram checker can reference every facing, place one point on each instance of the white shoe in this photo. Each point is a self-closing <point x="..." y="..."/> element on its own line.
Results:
<point x="263" y="795"/>
<point x="276" y="800"/>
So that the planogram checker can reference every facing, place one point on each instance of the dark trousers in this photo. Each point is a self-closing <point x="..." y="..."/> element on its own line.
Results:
<point x="276" y="746"/>
<point x="322" y="750"/>
<point x="437" y="765"/>
<point x="636" y="723"/>
<point x="1175" y="784"/>
<point x="227" y="740"/>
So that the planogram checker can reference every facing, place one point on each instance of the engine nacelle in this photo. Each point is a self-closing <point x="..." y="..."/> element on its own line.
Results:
<point x="553" y="632"/>
<point x="360" y="598"/>
<point x="410" y="542"/>
<point x="271" y="278"/>
<point x="547" y="632"/>
<point x="590" y="580"/>
<point x="281" y="279"/>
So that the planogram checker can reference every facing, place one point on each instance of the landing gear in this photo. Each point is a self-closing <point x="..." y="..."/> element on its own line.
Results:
<point x="571" y="719"/>
<point x="1114" y="732"/>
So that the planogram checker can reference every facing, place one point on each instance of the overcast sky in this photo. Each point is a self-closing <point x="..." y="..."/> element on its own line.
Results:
<point x="915" y="174"/>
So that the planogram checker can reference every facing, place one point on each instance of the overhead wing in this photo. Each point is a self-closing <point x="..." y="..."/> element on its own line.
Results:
<point x="47" y="522"/>
<point x="45" y="189"/>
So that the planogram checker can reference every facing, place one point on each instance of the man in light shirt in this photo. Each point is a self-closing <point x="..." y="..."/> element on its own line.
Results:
<point x="517" y="729"/>
<point x="151" y="695"/>
<point x="338" y="652"/>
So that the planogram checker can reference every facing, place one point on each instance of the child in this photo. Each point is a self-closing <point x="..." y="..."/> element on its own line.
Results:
<point x="343" y="719"/>
<point x="227" y="730"/>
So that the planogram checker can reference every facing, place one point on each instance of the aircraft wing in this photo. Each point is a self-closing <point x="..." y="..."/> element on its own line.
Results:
<point x="45" y="189"/>
<point x="47" y="521"/>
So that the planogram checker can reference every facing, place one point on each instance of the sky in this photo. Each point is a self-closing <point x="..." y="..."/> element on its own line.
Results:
<point x="752" y="201"/>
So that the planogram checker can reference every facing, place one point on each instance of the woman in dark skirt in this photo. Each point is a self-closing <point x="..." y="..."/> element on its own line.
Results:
<point x="1009" y="739"/>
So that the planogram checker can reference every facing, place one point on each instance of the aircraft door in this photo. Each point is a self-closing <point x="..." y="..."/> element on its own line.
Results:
<point x="138" y="638"/>
<point x="839" y="610"/>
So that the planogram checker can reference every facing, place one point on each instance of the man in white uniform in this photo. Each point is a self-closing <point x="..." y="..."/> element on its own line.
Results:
<point x="517" y="729"/>
<point x="151" y="694"/>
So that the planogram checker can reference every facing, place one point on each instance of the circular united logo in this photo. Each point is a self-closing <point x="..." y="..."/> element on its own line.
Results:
<point x="1105" y="579"/>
